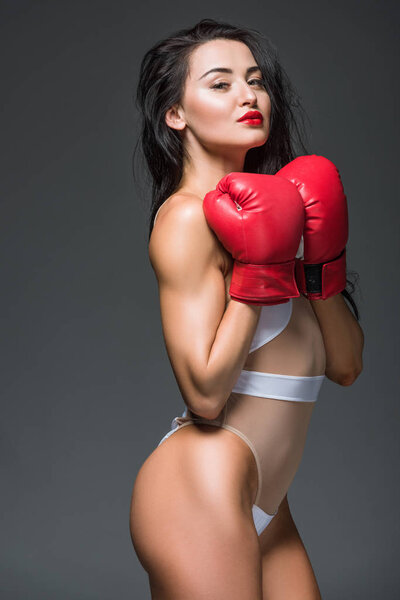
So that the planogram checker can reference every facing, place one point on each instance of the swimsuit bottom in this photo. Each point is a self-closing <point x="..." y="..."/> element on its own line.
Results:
<point x="274" y="429"/>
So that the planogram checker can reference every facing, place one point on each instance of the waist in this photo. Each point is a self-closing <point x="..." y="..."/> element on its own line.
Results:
<point x="282" y="387"/>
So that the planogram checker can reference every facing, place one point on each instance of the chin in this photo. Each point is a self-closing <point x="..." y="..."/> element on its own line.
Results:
<point x="258" y="144"/>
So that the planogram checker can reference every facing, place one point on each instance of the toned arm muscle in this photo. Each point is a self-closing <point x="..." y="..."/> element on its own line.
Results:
<point x="207" y="343"/>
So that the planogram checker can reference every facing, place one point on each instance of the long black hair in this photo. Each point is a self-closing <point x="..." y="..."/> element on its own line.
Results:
<point x="163" y="72"/>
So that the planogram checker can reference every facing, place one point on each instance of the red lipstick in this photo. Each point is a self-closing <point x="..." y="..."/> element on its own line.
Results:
<point x="252" y="117"/>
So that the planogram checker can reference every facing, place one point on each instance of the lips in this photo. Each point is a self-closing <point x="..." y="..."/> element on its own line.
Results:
<point x="251" y="114"/>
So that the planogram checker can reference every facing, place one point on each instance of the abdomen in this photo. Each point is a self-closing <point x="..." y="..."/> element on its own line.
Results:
<point x="276" y="429"/>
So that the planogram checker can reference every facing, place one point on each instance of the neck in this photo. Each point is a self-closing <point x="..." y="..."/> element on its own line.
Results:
<point x="205" y="168"/>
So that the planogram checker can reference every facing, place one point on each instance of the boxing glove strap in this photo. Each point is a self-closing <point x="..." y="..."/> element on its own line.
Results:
<point x="263" y="284"/>
<point x="323" y="280"/>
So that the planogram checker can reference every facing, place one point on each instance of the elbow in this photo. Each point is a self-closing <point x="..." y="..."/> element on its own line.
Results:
<point x="206" y="407"/>
<point x="348" y="378"/>
<point x="206" y="412"/>
<point x="205" y="400"/>
<point x="346" y="375"/>
<point x="210" y="406"/>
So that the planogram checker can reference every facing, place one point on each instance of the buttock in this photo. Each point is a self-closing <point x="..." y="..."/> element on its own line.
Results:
<point x="261" y="518"/>
<point x="274" y="431"/>
<point x="223" y="458"/>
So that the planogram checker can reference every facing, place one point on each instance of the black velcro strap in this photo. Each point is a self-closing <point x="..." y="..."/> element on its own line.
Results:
<point x="313" y="275"/>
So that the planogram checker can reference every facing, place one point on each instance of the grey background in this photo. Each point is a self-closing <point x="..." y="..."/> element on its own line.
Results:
<point x="86" y="389"/>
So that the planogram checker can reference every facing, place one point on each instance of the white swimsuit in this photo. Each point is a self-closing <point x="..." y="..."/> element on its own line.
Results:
<point x="262" y="426"/>
<point x="271" y="411"/>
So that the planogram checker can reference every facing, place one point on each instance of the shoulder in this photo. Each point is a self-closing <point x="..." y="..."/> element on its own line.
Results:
<point x="182" y="229"/>
<point x="180" y="206"/>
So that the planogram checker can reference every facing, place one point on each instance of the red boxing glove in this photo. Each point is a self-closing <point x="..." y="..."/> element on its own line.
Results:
<point x="322" y="272"/>
<point x="259" y="219"/>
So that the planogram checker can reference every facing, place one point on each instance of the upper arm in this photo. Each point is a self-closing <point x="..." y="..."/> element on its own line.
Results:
<point x="185" y="257"/>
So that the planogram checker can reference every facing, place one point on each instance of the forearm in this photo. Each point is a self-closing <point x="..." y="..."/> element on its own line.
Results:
<point x="343" y="339"/>
<point x="229" y="352"/>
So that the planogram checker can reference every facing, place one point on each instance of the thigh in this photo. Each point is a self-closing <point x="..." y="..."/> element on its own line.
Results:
<point x="191" y="520"/>
<point x="287" y="572"/>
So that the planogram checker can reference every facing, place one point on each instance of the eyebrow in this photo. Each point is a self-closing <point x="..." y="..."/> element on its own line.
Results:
<point x="225" y="70"/>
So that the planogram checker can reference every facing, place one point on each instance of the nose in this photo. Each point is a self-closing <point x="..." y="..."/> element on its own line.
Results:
<point x="247" y="96"/>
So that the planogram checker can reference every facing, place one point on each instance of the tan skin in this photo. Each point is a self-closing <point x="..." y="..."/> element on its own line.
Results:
<point x="191" y="520"/>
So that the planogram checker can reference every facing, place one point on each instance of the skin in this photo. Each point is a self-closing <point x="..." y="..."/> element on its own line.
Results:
<point x="207" y="117"/>
<point x="191" y="521"/>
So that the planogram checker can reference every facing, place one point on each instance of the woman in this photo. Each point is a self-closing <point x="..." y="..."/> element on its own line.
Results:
<point x="209" y="512"/>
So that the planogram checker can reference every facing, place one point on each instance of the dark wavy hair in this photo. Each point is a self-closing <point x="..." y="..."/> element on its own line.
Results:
<point x="163" y="72"/>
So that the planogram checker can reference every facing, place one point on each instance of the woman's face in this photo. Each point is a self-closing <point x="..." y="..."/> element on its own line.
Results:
<point x="213" y="101"/>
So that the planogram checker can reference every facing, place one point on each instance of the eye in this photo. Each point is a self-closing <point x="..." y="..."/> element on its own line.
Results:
<point x="218" y="85"/>
<point x="259" y="81"/>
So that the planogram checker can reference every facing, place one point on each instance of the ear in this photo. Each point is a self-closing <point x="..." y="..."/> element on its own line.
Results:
<point x="174" y="118"/>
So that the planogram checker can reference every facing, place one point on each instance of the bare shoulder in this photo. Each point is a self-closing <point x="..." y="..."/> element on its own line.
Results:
<point x="181" y="228"/>
<point x="178" y="206"/>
